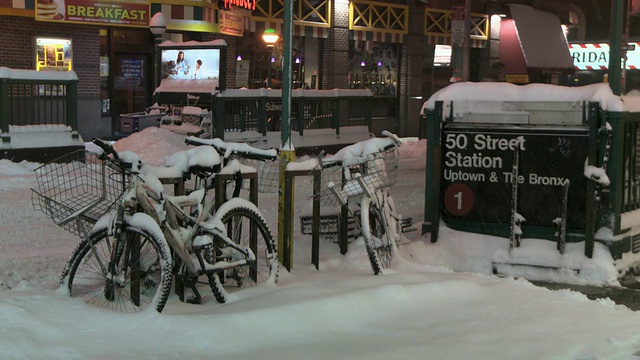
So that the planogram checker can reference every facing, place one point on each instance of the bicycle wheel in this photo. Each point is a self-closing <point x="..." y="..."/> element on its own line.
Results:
<point x="140" y="275"/>
<point x="247" y="227"/>
<point x="380" y="238"/>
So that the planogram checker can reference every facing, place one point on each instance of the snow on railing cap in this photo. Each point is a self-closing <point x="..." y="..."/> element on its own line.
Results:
<point x="193" y="43"/>
<point x="500" y="91"/>
<point x="244" y="92"/>
<point x="206" y="86"/>
<point x="7" y="73"/>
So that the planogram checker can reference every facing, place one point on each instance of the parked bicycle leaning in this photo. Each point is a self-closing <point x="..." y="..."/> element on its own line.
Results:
<point x="128" y="259"/>
<point x="366" y="171"/>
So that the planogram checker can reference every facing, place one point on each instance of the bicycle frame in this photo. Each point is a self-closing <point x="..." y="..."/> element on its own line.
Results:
<point x="366" y="179"/>
<point x="168" y="212"/>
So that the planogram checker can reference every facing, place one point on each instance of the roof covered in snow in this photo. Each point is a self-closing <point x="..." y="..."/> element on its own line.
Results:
<point x="502" y="91"/>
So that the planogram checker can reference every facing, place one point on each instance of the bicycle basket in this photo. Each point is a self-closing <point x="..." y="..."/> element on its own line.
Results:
<point x="268" y="174"/>
<point x="76" y="189"/>
<point x="379" y="170"/>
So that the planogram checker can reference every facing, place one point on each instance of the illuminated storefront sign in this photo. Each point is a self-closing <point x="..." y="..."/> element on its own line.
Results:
<point x="247" y="4"/>
<point x="596" y="56"/>
<point x="93" y="12"/>
<point x="53" y="54"/>
<point x="231" y="24"/>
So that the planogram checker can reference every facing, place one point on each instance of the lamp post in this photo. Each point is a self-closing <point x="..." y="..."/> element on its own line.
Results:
<point x="270" y="38"/>
<point x="157" y="26"/>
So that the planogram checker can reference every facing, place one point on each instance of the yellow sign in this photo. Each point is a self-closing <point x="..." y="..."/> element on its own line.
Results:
<point x="517" y="78"/>
<point x="96" y="12"/>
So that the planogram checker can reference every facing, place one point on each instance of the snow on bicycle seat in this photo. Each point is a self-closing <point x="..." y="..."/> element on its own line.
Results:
<point x="360" y="152"/>
<point x="199" y="159"/>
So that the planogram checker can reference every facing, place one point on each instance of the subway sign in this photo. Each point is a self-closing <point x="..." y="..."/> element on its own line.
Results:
<point x="477" y="176"/>
<point x="596" y="56"/>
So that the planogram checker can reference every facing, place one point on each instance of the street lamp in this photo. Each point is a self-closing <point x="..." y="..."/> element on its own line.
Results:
<point x="270" y="37"/>
<point x="157" y="26"/>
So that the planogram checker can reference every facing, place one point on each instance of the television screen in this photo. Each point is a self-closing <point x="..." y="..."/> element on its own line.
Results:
<point x="191" y="64"/>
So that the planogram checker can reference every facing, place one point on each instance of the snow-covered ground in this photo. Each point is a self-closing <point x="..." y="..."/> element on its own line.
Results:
<point x="438" y="301"/>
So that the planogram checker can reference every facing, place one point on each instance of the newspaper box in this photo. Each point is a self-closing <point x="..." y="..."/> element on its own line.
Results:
<point x="134" y="122"/>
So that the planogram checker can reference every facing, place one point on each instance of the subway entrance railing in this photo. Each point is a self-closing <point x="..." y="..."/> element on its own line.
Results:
<point x="32" y="98"/>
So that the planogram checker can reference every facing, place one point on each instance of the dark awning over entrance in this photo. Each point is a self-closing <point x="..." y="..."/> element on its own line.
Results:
<point x="542" y="42"/>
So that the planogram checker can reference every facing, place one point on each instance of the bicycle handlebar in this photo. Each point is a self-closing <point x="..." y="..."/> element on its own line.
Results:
<point x="355" y="148"/>
<point x="227" y="149"/>
<point x="106" y="147"/>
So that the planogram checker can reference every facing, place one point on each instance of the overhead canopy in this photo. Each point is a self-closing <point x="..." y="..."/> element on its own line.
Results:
<point x="543" y="44"/>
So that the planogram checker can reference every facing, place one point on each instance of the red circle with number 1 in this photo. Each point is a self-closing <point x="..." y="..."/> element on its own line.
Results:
<point x="458" y="199"/>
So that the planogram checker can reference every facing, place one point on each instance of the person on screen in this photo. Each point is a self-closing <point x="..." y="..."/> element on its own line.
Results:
<point x="181" y="66"/>
<point x="198" y="65"/>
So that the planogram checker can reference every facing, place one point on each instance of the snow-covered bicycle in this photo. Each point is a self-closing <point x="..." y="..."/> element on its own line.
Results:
<point x="128" y="256"/>
<point x="367" y="170"/>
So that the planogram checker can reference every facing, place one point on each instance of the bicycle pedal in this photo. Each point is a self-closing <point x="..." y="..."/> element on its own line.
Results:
<point x="408" y="229"/>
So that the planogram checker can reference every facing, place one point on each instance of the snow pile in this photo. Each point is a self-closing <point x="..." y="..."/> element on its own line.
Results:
<point x="341" y="311"/>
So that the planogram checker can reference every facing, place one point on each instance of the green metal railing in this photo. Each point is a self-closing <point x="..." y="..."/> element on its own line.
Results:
<point x="623" y="171"/>
<point x="605" y="206"/>
<point x="28" y="101"/>
<point x="260" y="110"/>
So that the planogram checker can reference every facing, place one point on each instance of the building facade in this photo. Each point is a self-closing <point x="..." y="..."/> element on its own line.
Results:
<point x="403" y="50"/>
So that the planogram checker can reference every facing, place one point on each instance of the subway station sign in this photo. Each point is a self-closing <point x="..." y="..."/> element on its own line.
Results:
<point x="596" y="56"/>
<point x="477" y="175"/>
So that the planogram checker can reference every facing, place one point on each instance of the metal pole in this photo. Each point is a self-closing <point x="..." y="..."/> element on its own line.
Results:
<point x="615" y="49"/>
<point x="268" y="84"/>
<point x="466" y="47"/>
<point x="157" y="63"/>
<point x="287" y="152"/>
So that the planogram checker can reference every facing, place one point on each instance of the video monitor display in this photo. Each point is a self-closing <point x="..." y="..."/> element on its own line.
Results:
<point x="191" y="64"/>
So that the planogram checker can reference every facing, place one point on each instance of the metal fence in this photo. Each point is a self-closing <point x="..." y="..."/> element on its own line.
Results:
<point x="624" y="163"/>
<point x="260" y="110"/>
<point x="29" y="99"/>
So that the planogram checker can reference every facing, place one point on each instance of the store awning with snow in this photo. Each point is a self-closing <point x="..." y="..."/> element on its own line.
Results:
<point x="532" y="42"/>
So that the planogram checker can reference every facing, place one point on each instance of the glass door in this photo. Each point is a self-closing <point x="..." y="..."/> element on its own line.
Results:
<point x="130" y="84"/>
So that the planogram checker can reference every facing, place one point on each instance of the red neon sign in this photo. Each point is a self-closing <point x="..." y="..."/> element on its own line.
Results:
<point x="247" y="4"/>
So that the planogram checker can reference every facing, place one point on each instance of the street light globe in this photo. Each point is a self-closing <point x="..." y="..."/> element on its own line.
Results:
<point x="158" y="24"/>
<point x="270" y="37"/>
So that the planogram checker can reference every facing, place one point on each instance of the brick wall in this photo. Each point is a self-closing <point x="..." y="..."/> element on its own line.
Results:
<point x="335" y="59"/>
<point x="17" y="49"/>
<point x="232" y="55"/>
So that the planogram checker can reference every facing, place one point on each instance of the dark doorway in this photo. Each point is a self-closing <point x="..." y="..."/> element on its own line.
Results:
<point x="130" y="85"/>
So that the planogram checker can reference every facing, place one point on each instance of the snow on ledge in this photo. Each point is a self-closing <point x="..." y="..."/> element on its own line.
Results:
<point x="262" y="92"/>
<point x="193" y="43"/>
<point x="207" y="86"/>
<point x="7" y="73"/>
<point x="500" y="91"/>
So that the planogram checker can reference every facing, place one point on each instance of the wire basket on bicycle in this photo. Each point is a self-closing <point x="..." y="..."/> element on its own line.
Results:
<point x="359" y="176"/>
<point x="76" y="189"/>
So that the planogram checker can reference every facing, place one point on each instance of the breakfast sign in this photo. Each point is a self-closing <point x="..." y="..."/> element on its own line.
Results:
<point x="93" y="12"/>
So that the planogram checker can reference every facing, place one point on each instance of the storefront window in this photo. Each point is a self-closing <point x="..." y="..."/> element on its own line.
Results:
<point x="304" y="61"/>
<point x="53" y="54"/>
<point x="105" y="94"/>
<point x="374" y="66"/>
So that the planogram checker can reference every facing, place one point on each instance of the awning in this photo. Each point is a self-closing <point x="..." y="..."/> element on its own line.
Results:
<point x="541" y="39"/>
<point x="258" y="27"/>
<point x="377" y="36"/>
<point x="446" y="40"/>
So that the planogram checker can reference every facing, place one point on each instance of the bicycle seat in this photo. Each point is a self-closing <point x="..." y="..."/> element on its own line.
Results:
<point x="199" y="159"/>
